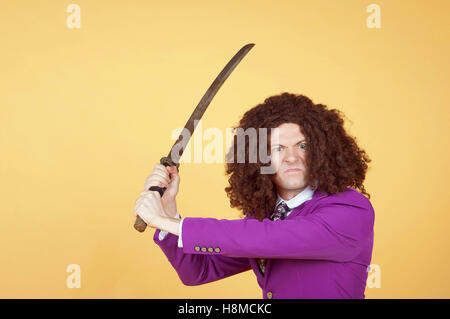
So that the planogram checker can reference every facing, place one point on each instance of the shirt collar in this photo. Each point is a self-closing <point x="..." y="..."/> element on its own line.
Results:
<point x="298" y="199"/>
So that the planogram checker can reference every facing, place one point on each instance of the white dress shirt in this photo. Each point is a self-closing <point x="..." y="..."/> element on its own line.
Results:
<point x="296" y="201"/>
<point x="163" y="234"/>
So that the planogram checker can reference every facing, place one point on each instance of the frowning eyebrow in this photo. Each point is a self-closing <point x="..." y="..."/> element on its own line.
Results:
<point x="285" y="145"/>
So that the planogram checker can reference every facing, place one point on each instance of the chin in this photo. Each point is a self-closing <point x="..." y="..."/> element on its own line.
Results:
<point x="291" y="183"/>
<point x="294" y="185"/>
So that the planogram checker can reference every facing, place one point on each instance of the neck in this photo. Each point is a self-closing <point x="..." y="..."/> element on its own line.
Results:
<point x="288" y="194"/>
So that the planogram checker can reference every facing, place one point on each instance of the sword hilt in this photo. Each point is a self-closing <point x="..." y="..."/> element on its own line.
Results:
<point x="139" y="224"/>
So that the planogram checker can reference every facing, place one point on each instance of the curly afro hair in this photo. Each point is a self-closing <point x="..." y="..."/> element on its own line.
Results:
<point x="333" y="158"/>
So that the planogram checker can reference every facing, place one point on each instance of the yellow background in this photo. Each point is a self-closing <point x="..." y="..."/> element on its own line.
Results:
<point x="85" y="113"/>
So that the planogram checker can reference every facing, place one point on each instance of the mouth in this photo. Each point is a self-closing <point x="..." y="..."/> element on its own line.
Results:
<point x="293" y="170"/>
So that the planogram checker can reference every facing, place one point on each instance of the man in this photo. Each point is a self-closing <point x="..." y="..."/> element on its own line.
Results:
<point x="307" y="233"/>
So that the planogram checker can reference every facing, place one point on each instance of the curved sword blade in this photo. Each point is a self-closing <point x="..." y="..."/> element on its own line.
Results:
<point x="181" y="143"/>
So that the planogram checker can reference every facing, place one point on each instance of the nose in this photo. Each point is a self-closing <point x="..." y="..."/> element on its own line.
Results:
<point x="292" y="155"/>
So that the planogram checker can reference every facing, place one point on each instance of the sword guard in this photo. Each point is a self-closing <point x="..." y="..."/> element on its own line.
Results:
<point x="167" y="161"/>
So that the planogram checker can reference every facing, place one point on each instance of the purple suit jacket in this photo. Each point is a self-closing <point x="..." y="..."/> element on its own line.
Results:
<point x="321" y="250"/>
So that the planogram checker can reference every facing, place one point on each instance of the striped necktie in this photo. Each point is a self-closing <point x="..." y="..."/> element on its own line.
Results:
<point x="280" y="212"/>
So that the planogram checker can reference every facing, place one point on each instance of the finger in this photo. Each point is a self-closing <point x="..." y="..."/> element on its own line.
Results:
<point x="155" y="180"/>
<point x="172" y="170"/>
<point x="136" y="213"/>
<point x="159" y="165"/>
<point x="150" y="206"/>
<point x="159" y="168"/>
<point x="146" y="193"/>
<point x="154" y="184"/>
<point x="146" y="208"/>
<point x="160" y="175"/>
<point x="155" y="194"/>
<point x="160" y="184"/>
<point x="157" y="177"/>
<point x="150" y="194"/>
<point x="138" y="202"/>
<point x="142" y="216"/>
<point x="137" y="209"/>
<point x="174" y="178"/>
<point x="163" y="172"/>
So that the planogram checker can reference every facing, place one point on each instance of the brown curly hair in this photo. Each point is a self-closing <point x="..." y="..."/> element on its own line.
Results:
<point x="333" y="157"/>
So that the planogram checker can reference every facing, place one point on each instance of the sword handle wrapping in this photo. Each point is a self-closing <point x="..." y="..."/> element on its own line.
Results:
<point x="139" y="223"/>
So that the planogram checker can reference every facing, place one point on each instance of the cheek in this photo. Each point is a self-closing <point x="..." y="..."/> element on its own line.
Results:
<point x="277" y="180"/>
<point x="275" y="161"/>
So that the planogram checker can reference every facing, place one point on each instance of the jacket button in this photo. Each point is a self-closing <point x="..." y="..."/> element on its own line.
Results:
<point x="210" y="249"/>
<point x="203" y="249"/>
<point x="197" y="248"/>
<point x="217" y="250"/>
<point x="269" y="295"/>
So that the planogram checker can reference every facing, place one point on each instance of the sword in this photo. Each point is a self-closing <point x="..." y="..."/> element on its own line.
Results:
<point x="181" y="142"/>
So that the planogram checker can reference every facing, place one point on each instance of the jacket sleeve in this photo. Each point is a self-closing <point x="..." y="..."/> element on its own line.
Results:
<point x="194" y="269"/>
<point x="333" y="231"/>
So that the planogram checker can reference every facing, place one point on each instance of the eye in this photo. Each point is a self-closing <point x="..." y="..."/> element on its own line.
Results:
<point x="277" y="148"/>
<point x="303" y="145"/>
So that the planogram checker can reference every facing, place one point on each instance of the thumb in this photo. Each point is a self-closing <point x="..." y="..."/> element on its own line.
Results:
<point x="173" y="172"/>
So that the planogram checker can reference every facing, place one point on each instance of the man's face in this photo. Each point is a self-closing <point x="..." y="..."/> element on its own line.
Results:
<point x="288" y="150"/>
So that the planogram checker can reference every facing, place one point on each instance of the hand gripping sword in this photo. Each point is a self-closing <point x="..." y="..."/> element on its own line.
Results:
<point x="181" y="142"/>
